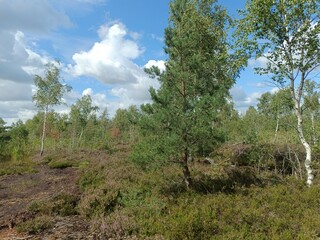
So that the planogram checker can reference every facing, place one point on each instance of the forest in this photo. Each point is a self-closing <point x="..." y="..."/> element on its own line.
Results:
<point x="187" y="165"/>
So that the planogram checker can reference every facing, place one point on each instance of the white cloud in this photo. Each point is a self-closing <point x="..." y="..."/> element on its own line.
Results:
<point x="19" y="21"/>
<point x="242" y="100"/>
<point x="36" y="16"/>
<point x="109" y="60"/>
<point x="11" y="111"/>
<point x="155" y="37"/>
<point x="157" y="63"/>
<point x="17" y="68"/>
<point x="13" y="91"/>
<point x="87" y="91"/>
<point x="258" y="62"/>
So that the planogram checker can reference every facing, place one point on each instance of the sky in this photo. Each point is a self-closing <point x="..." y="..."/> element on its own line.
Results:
<point x="103" y="46"/>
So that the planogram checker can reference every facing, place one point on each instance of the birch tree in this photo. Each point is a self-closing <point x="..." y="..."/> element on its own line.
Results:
<point x="284" y="33"/>
<point x="80" y="114"/>
<point x="49" y="93"/>
<point x="311" y="106"/>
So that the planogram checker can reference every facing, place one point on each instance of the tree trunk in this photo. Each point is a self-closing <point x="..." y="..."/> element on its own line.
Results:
<point x="314" y="135"/>
<point x="80" y="137"/>
<point x="306" y="145"/>
<point x="186" y="171"/>
<point x="277" y="129"/>
<point x="43" y="131"/>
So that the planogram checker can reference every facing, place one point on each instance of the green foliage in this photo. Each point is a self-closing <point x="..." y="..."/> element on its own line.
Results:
<point x="50" y="91"/>
<point x="225" y="203"/>
<point x="127" y="122"/>
<point x="19" y="141"/>
<point x="17" y="167"/>
<point x="61" y="164"/>
<point x="82" y="115"/>
<point x="185" y="114"/>
<point x="284" y="33"/>
<point x="100" y="202"/>
<point x="91" y="178"/>
<point x="62" y="204"/>
<point x="36" y="225"/>
<point x="153" y="152"/>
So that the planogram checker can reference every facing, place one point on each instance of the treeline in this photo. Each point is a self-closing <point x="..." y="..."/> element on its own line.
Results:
<point x="267" y="128"/>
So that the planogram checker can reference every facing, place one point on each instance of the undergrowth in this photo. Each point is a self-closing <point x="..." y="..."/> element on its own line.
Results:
<point x="11" y="167"/>
<point x="225" y="203"/>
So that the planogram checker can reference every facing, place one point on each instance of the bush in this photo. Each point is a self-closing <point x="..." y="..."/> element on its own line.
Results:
<point x="99" y="202"/>
<point x="17" y="167"/>
<point x="36" y="225"/>
<point x="60" y="164"/>
<point x="62" y="204"/>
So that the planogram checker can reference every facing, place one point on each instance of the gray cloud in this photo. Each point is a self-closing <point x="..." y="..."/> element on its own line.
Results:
<point x="31" y="16"/>
<point x="242" y="100"/>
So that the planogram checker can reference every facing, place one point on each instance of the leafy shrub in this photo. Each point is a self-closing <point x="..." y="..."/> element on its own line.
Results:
<point x="60" y="164"/>
<point x="91" y="178"/>
<point x="99" y="202"/>
<point x="36" y="225"/>
<point x="17" y="167"/>
<point x="116" y="225"/>
<point x="62" y="204"/>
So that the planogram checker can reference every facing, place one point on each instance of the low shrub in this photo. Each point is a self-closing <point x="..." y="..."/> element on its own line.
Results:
<point x="60" y="164"/>
<point x="17" y="167"/>
<point x="99" y="202"/>
<point x="62" y="205"/>
<point x="36" y="225"/>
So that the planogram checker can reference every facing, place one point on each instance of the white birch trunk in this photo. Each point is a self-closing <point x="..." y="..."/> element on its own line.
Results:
<point x="306" y="145"/>
<point x="43" y="131"/>
<point x="277" y="129"/>
<point x="314" y="136"/>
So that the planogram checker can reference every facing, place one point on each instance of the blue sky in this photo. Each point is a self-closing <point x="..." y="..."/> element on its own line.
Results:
<point x="103" y="46"/>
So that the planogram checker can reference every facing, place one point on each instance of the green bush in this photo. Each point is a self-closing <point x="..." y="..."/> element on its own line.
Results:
<point x="36" y="225"/>
<point x="60" y="164"/>
<point x="91" y="178"/>
<point x="63" y="205"/>
<point x="11" y="167"/>
<point x="99" y="202"/>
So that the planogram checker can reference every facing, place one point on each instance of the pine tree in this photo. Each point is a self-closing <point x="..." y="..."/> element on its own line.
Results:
<point x="196" y="83"/>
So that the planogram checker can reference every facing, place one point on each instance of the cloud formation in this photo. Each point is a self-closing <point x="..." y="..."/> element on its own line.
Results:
<point x="18" y="62"/>
<point x="111" y="61"/>
<point x="242" y="100"/>
<point x="36" y="16"/>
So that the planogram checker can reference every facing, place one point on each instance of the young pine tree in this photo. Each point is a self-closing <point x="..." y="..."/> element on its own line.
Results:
<point x="195" y="86"/>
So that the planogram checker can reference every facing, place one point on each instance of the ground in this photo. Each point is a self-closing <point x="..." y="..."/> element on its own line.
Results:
<point x="18" y="191"/>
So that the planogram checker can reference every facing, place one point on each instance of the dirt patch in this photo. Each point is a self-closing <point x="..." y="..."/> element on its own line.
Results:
<point x="18" y="191"/>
